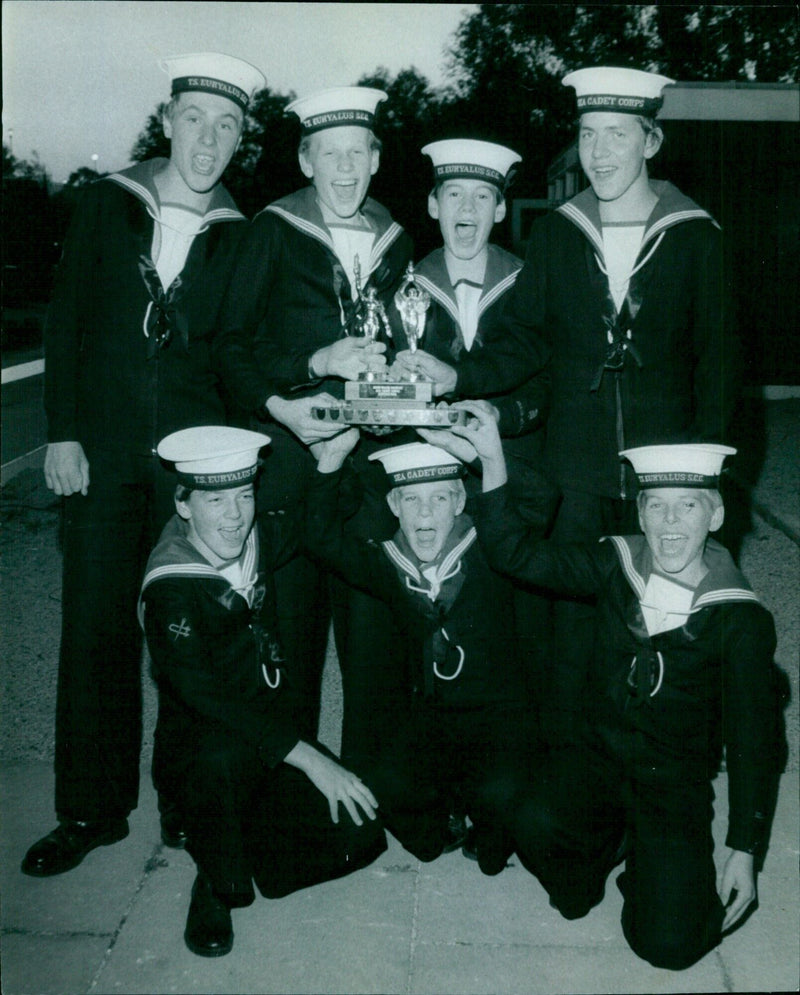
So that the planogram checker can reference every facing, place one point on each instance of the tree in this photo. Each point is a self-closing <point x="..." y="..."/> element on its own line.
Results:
<point x="82" y="177"/>
<point x="29" y="239"/>
<point x="507" y="60"/>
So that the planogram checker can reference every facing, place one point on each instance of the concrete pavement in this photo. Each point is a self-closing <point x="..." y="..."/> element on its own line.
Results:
<point x="115" y="923"/>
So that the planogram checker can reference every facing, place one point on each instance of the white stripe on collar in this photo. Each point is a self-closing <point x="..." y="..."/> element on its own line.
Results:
<point x="144" y="194"/>
<point x="322" y="235"/>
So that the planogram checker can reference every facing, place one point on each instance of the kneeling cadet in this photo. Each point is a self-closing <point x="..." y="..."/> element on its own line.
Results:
<point x="468" y="735"/>
<point x="260" y="803"/>
<point x="683" y="667"/>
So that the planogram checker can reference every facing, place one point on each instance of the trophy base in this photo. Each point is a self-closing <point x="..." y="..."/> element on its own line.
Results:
<point x="383" y="418"/>
<point x="380" y="404"/>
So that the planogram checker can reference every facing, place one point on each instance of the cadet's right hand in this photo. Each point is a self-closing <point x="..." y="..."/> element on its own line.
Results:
<point x="331" y="453"/>
<point x="66" y="469"/>
<point x="348" y="357"/>
<point x="339" y="785"/>
<point x="297" y="416"/>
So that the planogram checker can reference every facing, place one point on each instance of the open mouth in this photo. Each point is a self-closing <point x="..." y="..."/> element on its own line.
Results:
<point x="345" y="188"/>
<point x="672" y="544"/>
<point x="204" y="164"/>
<point x="465" y="231"/>
<point x="232" y="535"/>
<point x="425" y="537"/>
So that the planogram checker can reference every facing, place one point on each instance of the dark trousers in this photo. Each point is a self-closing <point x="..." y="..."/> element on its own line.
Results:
<point x="248" y="823"/>
<point x="581" y="518"/>
<point x="568" y="828"/>
<point x="107" y="537"/>
<point x="375" y="683"/>
<point x="481" y="756"/>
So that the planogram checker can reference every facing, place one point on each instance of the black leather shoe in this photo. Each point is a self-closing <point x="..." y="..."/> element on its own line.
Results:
<point x="470" y="847"/>
<point x="456" y="833"/>
<point x="173" y="833"/>
<point x="69" y="843"/>
<point x="209" y="932"/>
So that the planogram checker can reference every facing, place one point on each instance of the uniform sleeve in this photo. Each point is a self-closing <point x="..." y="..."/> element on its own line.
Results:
<point x="64" y="326"/>
<point x="357" y="561"/>
<point x="279" y="533"/>
<point x="242" y="322"/>
<point x="219" y="681"/>
<point x="514" y="547"/>
<point x="718" y="362"/>
<point x="751" y="723"/>
<point x="517" y="347"/>
<point x="525" y="409"/>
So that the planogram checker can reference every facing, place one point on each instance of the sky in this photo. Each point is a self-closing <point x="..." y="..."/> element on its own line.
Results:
<point x="81" y="77"/>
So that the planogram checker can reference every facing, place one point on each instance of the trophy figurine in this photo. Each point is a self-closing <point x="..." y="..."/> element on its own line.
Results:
<point x="370" y="312"/>
<point x="412" y="302"/>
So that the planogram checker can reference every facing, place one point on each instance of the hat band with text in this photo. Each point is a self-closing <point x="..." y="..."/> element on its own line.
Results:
<point x="647" y="106"/>
<point x="210" y="85"/>
<point x="676" y="478"/>
<point x="218" y="481"/>
<point x="421" y="474"/>
<point x="337" y="119"/>
<point x="468" y="171"/>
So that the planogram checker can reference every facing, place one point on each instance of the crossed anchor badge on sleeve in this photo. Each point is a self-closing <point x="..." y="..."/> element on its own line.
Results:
<point x="181" y="629"/>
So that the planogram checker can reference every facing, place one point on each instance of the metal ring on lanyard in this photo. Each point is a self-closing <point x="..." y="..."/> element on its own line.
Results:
<point x="657" y="688"/>
<point x="265" y="672"/>
<point x="451" y="677"/>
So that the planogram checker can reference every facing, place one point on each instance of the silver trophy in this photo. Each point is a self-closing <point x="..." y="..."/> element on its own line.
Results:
<point x="381" y="402"/>
<point x="412" y="302"/>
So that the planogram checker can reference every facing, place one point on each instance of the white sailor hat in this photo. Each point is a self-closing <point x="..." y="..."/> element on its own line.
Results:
<point x="686" y="465"/>
<point x="213" y="457"/>
<point x="336" y="107"/>
<point x="418" y="463"/>
<point x="626" y="91"/>
<point x="469" y="159"/>
<point x="213" y="72"/>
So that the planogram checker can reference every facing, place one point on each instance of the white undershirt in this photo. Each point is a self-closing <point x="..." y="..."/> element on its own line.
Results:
<point x="665" y="605"/>
<point x="621" y="245"/>
<point x="174" y="231"/>
<point x="466" y="278"/>
<point x="352" y="239"/>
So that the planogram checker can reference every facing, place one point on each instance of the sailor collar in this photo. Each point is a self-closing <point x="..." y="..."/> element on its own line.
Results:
<point x="723" y="584"/>
<point x="428" y="578"/>
<point x="502" y="269"/>
<point x="672" y="208"/>
<point x="139" y="180"/>
<point x="175" y="556"/>
<point x="301" y="210"/>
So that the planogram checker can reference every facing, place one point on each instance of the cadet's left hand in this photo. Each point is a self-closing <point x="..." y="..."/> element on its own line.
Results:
<point x="453" y="444"/>
<point x="444" y="377"/>
<point x="331" y="453"/>
<point x="737" y="876"/>
<point x="334" y="781"/>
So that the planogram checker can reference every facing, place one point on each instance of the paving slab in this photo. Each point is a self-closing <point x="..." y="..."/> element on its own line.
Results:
<point x="460" y="906"/>
<point x="93" y="897"/>
<point x="37" y="964"/>
<point x="551" y="970"/>
<point x="351" y="935"/>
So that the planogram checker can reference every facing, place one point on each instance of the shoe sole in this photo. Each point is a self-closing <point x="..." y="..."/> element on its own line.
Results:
<point x="206" y="952"/>
<point x="103" y="841"/>
<point x="174" y="842"/>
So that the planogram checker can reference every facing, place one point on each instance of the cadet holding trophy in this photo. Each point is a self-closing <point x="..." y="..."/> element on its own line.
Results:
<point x="316" y="270"/>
